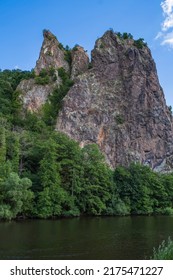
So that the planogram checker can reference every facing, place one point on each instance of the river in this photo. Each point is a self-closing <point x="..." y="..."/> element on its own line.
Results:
<point x="104" y="238"/>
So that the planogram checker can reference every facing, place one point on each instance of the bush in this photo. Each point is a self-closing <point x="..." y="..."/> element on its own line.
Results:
<point x="51" y="71"/>
<point x="101" y="46"/>
<point x="67" y="56"/>
<point x="124" y="36"/>
<point x="61" y="47"/>
<point x="140" y="43"/>
<point x="119" y="119"/>
<point x="75" y="48"/>
<point x="121" y="208"/>
<point x="42" y="81"/>
<point x="43" y="73"/>
<point x="90" y="65"/>
<point x="54" y="103"/>
<point x="168" y="211"/>
<point x="164" y="251"/>
<point x="5" y="212"/>
<point x="63" y="74"/>
<point x="170" y="109"/>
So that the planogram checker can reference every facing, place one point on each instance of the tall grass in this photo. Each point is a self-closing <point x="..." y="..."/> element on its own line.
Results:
<point x="164" y="251"/>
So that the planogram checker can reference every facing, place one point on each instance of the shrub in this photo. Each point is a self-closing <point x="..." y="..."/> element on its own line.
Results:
<point x="5" y="212"/>
<point x="42" y="81"/>
<point x="54" y="103"/>
<point x="90" y="65"/>
<point x="51" y="71"/>
<point x="43" y="73"/>
<point x="125" y="35"/>
<point x="61" y="47"/>
<point x="67" y="56"/>
<point x="164" y="251"/>
<point x="119" y="35"/>
<point x="121" y="208"/>
<point x="170" y="109"/>
<point x="140" y="43"/>
<point x="75" y="48"/>
<point x="63" y="74"/>
<point x="119" y="119"/>
<point x="48" y="34"/>
<point x="168" y="211"/>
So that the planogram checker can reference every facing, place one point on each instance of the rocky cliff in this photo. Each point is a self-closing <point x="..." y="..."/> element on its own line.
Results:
<point x="118" y="103"/>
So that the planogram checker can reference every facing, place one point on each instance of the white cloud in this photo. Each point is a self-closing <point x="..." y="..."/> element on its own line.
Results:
<point x="159" y="35"/>
<point x="167" y="7"/>
<point x="168" y="22"/>
<point x="168" y="39"/>
<point x="166" y="33"/>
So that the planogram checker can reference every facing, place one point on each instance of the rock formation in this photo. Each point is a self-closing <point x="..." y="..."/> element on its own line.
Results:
<point x="119" y="104"/>
<point x="52" y="56"/>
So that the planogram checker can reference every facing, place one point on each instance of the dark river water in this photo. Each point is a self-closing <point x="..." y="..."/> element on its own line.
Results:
<point x="104" y="238"/>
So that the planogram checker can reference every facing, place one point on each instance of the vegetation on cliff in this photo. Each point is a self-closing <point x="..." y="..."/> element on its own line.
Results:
<point x="139" y="43"/>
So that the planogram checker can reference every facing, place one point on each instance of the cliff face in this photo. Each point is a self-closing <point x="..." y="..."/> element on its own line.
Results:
<point x="119" y="104"/>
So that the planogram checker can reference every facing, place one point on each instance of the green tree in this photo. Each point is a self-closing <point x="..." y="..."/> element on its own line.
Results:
<point x="96" y="181"/>
<point x="141" y="202"/>
<point x="52" y="195"/>
<point x="15" y="152"/>
<point x="17" y="196"/>
<point x="2" y="146"/>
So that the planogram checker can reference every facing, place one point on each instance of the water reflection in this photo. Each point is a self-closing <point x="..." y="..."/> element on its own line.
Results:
<point x="84" y="238"/>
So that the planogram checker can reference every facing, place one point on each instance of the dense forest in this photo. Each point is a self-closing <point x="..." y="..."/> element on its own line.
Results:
<point x="44" y="174"/>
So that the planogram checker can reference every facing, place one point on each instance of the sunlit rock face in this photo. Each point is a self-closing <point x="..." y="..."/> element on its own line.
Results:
<point x="119" y="104"/>
<point x="51" y="54"/>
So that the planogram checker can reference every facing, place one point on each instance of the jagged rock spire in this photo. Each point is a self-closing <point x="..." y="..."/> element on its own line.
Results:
<point x="51" y="54"/>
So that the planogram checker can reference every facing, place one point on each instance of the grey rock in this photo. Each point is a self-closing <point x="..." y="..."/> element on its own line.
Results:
<point x="51" y="55"/>
<point x="119" y="104"/>
<point x="80" y="62"/>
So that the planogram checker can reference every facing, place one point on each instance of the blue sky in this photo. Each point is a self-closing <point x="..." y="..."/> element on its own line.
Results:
<point x="82" y="22"/>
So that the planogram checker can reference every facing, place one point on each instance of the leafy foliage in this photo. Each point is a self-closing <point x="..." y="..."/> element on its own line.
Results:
<point x="9" y="101"/>
<point x="119" y="119"/>
<point x="164" y="251"/>
<point x="124" y="35"/>
<point x="54" y="103"/>
<point x="139" y="43"/>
